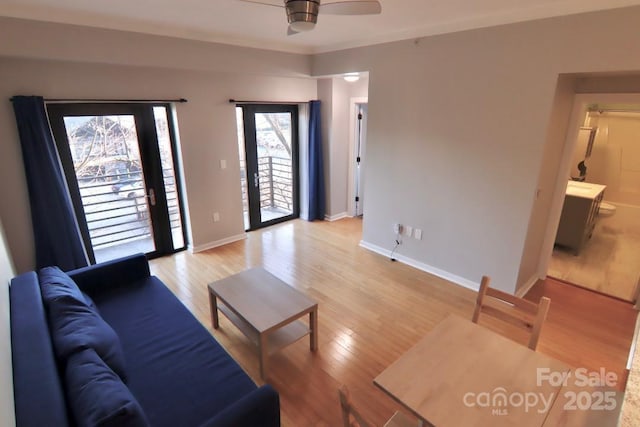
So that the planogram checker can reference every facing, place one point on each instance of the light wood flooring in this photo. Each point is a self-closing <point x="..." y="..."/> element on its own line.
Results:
<point x="585" y="328"/>
<point x="608" y="262"/>
<point x="371" y="311"/>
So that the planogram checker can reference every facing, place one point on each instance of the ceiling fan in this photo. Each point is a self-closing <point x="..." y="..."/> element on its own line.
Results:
<point x="303" y="14"/>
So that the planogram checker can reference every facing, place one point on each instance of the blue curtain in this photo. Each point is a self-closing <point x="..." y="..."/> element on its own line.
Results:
<point x="55" y="229"/>
<point x="316" y="168"/>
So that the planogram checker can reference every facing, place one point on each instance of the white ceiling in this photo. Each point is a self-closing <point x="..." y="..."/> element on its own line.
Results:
<point x="246" y="24"/>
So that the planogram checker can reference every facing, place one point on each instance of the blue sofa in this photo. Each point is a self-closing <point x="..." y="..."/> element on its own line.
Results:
<point x="171" y="371"/>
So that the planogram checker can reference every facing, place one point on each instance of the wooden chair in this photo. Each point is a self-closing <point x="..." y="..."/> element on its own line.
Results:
<point x="511" y="309"/>
<point x="352" y="417"/>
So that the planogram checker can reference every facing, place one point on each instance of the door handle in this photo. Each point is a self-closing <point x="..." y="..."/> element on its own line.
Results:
<point x="255" y="179"/>
<point x="152" y="197"/>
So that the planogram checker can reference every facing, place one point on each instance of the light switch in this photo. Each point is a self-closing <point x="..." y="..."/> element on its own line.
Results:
<point x="417" y="233"/>
<point x="223" y="164"/>
<point x="408" y="230"/>
<point x="216" y="217"/>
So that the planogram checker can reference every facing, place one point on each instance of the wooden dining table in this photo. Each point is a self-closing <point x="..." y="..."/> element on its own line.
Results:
<point x="463" y="374"/>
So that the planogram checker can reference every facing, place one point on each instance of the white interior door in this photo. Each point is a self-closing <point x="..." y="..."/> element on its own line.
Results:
<point x="359" y="155"/>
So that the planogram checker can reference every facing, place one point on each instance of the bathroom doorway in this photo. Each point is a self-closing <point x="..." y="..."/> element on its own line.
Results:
<point x="597" y="244"/>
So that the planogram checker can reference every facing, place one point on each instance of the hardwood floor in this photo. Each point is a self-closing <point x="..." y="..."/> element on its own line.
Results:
<point x="585" y="328"/>
<point x="371" y="311"/>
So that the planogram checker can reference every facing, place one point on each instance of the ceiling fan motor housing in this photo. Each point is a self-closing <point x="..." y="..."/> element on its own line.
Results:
<point x="302" y="10"/>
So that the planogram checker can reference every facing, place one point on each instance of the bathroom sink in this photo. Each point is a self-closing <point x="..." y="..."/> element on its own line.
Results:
<point x="581" y="189"/>
<point x="584" y="189"/>
<point x="579" y="185"/>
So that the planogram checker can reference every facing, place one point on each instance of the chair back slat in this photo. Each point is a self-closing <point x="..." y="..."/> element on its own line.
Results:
<point x="510" y="316"/>
<point x="511" y="309"/>
<point x="522" y="304"/>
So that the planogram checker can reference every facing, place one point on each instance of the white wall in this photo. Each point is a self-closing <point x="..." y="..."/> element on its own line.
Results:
<point x="43" y="40"/>
<point x="7" y="419"/>
<point x="615" y="158"/>
<point x="207" y="122"/>
<point x="338" y="150"/>
<point x="531" y="266"/>
<point x="457" y="130"/>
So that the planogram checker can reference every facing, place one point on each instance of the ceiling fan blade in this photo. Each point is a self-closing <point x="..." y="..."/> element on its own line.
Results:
<point x="276" y="3"/>
<point x="352" y="7"/>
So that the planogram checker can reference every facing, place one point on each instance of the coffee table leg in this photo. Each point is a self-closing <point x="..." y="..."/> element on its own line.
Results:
<point x="213" y="304"/>
<point x="313" y="326"/>
<point x="263" y="354"/>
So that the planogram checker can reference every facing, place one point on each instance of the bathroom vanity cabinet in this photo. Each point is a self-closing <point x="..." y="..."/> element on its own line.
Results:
<point x="579" y="214"/>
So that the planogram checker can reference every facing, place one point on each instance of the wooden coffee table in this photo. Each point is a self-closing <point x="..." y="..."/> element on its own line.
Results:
<point x="265" y="309"/>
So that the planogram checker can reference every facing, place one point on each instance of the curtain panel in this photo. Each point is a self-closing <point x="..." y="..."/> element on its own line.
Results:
<point x="316" y="167"/>
<point x="55" y="228"/>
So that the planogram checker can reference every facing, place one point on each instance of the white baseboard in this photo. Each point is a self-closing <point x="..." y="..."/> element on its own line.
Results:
<point x="469" y="284"/>
<point x="221" y="242"/>
<point x="527" y="286"/>
<point x="336" y="217"/>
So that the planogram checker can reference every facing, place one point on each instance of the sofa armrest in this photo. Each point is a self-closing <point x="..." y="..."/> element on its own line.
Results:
<point x="38" y="391"/>
<point x="94" y="278"/>
<point x="261" y="408"/>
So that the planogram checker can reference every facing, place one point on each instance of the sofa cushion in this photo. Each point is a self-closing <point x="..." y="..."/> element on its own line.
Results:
<point x="92" y="305"/>
<point x="57" y="284"/>
<point x="180" y="375"/>
<point x="74" y="327"/>
<point x="97" y="396"/>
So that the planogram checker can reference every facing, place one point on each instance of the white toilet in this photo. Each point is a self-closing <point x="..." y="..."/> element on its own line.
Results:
<point x="606" y="209"/>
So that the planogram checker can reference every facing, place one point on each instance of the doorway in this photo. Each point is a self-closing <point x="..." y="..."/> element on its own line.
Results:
<point x="604" y="260"/>
<point x="118" y="161"/>
<point x="268" y="149"/>
<point x="358" y="141"/>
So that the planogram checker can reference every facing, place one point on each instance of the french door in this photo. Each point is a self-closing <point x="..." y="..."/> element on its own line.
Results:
<point x="119" y="166"/>
<point x="268" y="139"/>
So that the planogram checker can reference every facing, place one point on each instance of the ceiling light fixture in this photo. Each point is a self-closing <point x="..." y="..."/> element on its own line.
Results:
<point x="302" y="15"/>
<point x="351" y="77"/>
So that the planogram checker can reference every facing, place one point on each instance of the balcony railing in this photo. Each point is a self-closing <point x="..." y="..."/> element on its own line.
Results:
<point x="117" y="213"/>
<point x="276" y="183"/>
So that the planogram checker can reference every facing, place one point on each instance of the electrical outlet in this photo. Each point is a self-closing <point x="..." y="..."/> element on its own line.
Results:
<point x="417" y="233"/>
<point x="397" y="228"/>
<point x="216" y="217"/>
<point x="408" y="230"/>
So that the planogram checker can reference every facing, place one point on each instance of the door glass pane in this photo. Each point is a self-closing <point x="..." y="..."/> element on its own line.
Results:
<point x="106" y="160"/>
<point x="243" y="167"/>
<point x="275" y="168"/>
<point x="168" y="176"/>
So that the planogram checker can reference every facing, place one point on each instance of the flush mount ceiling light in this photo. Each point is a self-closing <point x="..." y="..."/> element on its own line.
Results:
<point x="351" y="77"/>
<point x="302" y="15"/>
